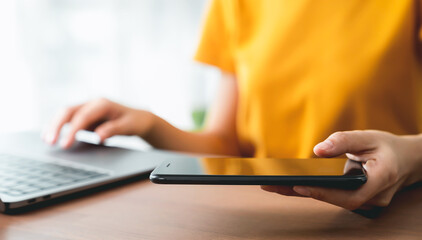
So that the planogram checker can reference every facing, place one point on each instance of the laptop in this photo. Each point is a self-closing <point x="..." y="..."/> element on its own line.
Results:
<point x="32" y="171"/>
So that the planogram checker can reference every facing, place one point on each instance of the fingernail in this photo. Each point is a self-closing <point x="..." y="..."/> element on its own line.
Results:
<point x="304" y="191"/>
<point x="325" y="145"/>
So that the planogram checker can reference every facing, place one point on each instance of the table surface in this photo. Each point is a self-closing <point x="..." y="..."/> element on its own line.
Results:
<point x="142" y="210"/>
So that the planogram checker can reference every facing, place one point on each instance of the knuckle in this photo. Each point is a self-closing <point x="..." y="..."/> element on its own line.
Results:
<point x="102" y="101"/>
<point x="77" y="121"/>
<point x="67" y="111"/>
<point x="372" y="131"/>
<point x="361" y="132"/>
<point x="338" y="136"/>
<point x="384" y="202"/>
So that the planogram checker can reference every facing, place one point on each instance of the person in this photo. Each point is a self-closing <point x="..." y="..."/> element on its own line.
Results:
<point x="293" y="74"/>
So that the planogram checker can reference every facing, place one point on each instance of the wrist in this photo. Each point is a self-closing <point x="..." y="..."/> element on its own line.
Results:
<point x="413" y="155"/>
<point x="144" y="123"/>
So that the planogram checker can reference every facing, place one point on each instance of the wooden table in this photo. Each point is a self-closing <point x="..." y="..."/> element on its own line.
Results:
<point x="142" y="210"/>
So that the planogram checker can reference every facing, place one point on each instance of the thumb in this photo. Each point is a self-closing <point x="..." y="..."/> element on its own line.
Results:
<point x="345" y="142"/>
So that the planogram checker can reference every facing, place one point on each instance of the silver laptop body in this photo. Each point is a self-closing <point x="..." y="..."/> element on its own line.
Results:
<point x="32" y="172"/>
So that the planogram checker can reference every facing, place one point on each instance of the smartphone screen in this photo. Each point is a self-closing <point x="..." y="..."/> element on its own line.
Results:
<point x="263" y="166"/>
<point x="253" y="171"/>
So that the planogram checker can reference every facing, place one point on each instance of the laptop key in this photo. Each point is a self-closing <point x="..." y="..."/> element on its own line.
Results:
<point x="3" y="189"/>
<point x="13" y="193"/>
<point x="10" y="183"/>
<point x="44" y="185"/>
<point x="25" y="188"/>
<point x="21" y="175"/>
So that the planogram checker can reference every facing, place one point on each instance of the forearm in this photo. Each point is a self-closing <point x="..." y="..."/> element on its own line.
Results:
<point x="163" y="135"/>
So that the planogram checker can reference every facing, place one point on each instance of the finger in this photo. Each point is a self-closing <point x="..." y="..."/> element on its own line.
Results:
<point x="346" y="142"/>
<point x="63" y="117"/>
<point x="82" y="119"/>
<point x="111" y="128"/>
<point x="361" y="157"/>
<point x="283" y="190"/>
<point x="349" y="199"/>
<point x="383" y="198"/>
<point x="338" y="197"/>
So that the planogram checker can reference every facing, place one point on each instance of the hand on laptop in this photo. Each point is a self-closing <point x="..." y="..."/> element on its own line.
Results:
<point x="105" y="117"/>
<point x="391" y="162"/>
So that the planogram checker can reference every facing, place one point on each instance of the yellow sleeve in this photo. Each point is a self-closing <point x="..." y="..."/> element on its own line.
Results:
<point x="216" y="43"/>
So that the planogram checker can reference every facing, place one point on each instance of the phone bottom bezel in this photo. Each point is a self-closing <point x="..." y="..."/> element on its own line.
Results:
<point x="344" y="182"/>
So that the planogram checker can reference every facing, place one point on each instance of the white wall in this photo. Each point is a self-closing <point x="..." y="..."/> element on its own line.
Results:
<point x="55" y="53"/>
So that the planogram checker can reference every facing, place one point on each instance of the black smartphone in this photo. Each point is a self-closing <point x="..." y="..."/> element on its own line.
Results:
<point x="326" y="172"/>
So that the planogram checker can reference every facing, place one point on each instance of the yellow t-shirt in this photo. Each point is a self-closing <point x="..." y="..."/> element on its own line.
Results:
<point x="308" y="68"/>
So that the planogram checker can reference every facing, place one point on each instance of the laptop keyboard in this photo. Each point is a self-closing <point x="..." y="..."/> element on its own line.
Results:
<point x="19" y="175"/>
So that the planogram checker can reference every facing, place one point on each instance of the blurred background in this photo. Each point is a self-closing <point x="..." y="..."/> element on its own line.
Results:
<point x="56" y="53"/>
